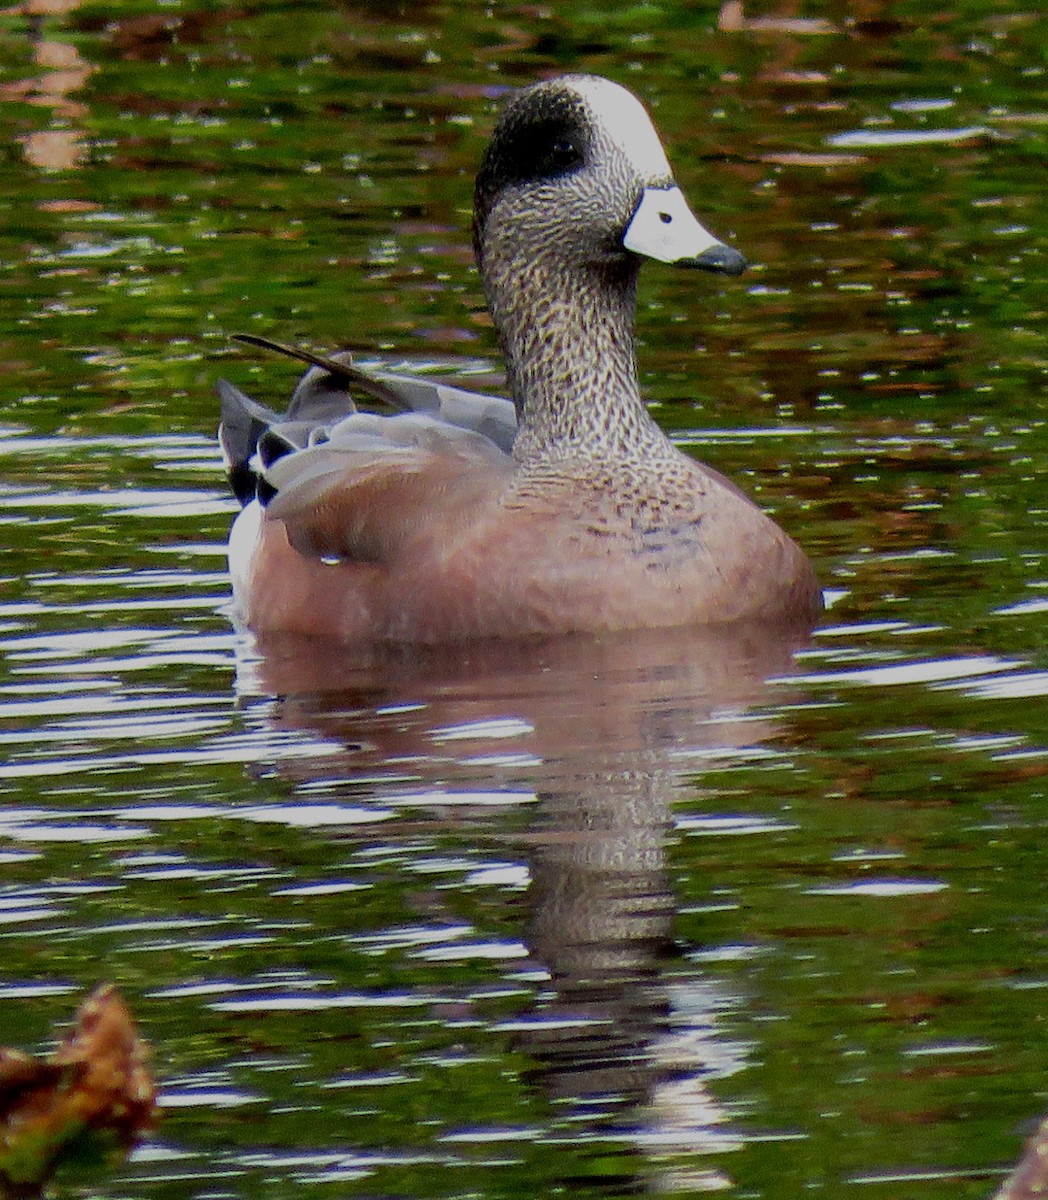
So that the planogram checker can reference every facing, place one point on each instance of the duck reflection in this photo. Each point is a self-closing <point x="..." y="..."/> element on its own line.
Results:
<point x="606" y="731"/>
<point x="62" y="146"/>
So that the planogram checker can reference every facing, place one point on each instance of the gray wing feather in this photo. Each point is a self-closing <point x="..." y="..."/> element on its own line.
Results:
<point x="265" y="450"/>
<point x="363" y="443"/>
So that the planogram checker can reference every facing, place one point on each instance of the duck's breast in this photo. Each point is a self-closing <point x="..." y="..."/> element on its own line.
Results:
<point x="583" y="549"/>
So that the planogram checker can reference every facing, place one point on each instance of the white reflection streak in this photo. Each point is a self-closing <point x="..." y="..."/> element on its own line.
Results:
<point x="1008" y="687"/>
<point x="923" y="671"/>
<point x="879" y="887"/>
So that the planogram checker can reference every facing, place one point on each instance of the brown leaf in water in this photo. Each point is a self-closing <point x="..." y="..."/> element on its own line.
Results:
<point x="94" y="1096"/>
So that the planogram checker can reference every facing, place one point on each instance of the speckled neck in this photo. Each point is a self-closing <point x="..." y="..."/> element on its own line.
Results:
<point x="567" y="333"/>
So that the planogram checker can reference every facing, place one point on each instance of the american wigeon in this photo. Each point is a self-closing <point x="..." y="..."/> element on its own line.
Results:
<point x="564" y="509"/>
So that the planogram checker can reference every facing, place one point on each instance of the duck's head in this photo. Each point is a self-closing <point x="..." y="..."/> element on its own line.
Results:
<point x="575" y="171"/>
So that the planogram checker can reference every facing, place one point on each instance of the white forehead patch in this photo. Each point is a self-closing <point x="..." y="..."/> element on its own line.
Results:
<point x="626" y="124"/>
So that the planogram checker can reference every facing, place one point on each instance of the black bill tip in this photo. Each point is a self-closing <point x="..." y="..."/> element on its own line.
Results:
<point x="725" y="260"/>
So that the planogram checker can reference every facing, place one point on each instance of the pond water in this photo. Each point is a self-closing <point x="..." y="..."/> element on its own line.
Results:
<point x="657" y="913"/>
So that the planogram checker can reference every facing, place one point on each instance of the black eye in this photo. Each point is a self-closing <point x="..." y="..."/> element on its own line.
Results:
<point x="564" y="155"/>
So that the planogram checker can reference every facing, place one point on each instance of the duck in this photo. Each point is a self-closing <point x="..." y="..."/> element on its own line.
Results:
<point x="560" y="509"/>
